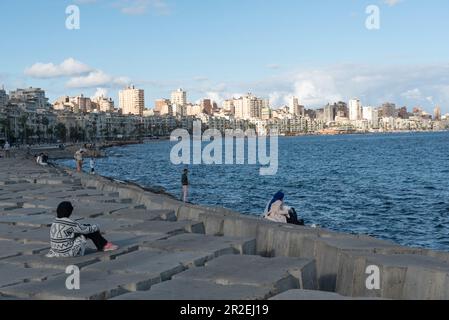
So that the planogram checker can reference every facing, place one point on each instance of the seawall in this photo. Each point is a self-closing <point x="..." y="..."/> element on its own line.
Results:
<point x="171" y="250"/>
<point x="341" y="259"/>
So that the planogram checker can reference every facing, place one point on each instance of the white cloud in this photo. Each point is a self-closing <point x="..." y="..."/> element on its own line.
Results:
<point x="69" y="67"/>
<point x="101" y="92"/>
<point x="413" y="94"/>
<point x="139" y="7"/>
<point x="97" y="79"/>
<point x="392" y="3"/>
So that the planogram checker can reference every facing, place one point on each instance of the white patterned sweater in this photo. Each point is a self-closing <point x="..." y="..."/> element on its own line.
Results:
<point x="66" y="237"/>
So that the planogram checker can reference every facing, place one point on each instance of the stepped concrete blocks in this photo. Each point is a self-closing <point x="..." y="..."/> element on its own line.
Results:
<point x="10" y="249"/>
<point x="164" y="227"/>
<point x="214" y="246"/>
<point x="189" y="212"/>
<point x="329" y="250"/>
<point x="308" y="295"/>
<point x="278" y="274"/>
<point x="11" y="274"/>
<point x="41" y="220"/>
<point x="160" y="265"/>
<point x="402" y="276"/>
<point x="144" y="215"/>
<point x="180" y="289"/>
<point x="94" y="285"/>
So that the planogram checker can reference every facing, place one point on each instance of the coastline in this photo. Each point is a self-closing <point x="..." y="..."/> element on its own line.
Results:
<point x="324" y="261"/>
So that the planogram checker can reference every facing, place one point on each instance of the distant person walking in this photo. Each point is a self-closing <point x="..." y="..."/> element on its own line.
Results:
<point x="92" y="165"/>
<point x="79" y="160"/>
<point x="185" y="185"/>
<point x="7" y="148"/>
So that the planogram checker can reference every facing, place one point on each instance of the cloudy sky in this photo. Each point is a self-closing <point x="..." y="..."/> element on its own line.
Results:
<point x="320" y="51"/>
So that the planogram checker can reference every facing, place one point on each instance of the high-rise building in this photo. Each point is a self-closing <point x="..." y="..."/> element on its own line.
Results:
<point x="132" y="101"/>
<point x="82" y="104"/>
<point x="249" y="106"/>
<point x="228" y="106"/>
<point x="437" y="113"/>
<point x="3" y="97"/>
<point x="31" y="98"/>
<point x="342" y="110"/>
<point x="403" y="113"/>
<point x="103" y="104"/>
<point x="207" y="107"/>
<point x="355" y="110"/>
<point x="294" y="107"/>
<point x="389" y="110"/>
<point x="330" y="112"/>
<point x="179" y="97"/>
<point x="161" y="104"/>
<point x="371" y="115"/>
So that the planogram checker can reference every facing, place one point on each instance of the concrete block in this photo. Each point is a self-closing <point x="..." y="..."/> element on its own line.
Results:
<point x="160" y="265"/>
<point x="10" y="249"/>
<point x="402" y="276"/>
<point x="41" y="220"/>
<point x="180" y="289"/>
<point x="215" y="246"/>
<point x="11" y="275"/>
<point x="144" y="215"/>
<point x="94" y="285"/>
<point x="308" y="295"/>
<point x="164" y="227"/>
<point x="278" y="274"/>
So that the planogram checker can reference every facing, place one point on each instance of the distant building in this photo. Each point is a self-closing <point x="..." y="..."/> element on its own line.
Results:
<point x="228" y="106"/>
<point x="437" y="113"/>
<point x="355" y="110"/>
<point x="249" y="106"/>
<point x="82" y="104"/>
<point x="389" y="110"/>
<point x="179" y="97"/>
<point x="403" y="113"/>
<point x="132" y="101"/>
<point x="207" y="107"/>
<point x="330" y="112"/>
<point x="3" y="97"/>
<point x="371" y="115"/>
<point x="294" y="107"/>
<point x="160" y="104"/>
<point x="103" y="104"/>
<point x="31" y="98"/>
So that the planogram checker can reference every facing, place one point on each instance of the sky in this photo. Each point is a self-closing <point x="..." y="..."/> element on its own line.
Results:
<point x="320" y="51"/>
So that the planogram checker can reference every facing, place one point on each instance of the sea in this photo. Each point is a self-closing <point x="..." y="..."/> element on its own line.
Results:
<point x="390" y="186"/>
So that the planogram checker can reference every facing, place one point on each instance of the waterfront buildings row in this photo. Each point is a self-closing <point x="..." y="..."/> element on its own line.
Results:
<point x="27" y="115"/>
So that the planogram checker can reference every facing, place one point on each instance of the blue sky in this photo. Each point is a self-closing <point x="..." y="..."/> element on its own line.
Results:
<point x="318" y="50"/>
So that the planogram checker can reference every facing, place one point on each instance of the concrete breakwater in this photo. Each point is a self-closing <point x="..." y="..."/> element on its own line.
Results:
<point x="172" y="250"/>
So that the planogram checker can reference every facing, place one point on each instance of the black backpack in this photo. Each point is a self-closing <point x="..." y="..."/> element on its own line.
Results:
<point x="294" y="218"/>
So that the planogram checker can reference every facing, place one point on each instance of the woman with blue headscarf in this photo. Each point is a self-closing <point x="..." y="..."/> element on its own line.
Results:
<point x="276" y="210"/>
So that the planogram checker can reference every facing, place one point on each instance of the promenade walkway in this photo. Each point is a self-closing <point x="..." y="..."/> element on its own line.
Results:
<point x="169" y="250"/>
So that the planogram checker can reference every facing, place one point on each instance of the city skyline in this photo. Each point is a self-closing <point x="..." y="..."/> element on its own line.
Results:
<point x="162" y="45"/>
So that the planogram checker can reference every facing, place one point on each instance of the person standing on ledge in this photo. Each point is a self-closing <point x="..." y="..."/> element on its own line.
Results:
<point x="92" y="166"/>
<point x="7" y="148"/>
<point x="185" y="185"/>
<point x="79" y="160"/>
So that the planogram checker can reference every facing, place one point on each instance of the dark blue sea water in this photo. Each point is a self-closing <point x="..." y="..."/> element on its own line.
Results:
<point x="393" y="186"/>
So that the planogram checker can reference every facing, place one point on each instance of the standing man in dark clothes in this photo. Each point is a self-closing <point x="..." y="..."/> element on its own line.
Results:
<point x="185" y="185"/>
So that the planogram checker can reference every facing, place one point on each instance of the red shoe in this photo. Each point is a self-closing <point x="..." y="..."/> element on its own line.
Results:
<point x="110" y="247"/>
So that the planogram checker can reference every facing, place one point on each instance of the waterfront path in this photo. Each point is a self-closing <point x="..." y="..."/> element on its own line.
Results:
<point x="169" y="250"/>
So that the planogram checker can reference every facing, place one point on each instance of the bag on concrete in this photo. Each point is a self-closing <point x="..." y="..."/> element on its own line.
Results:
<point x="293" y="219"/>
